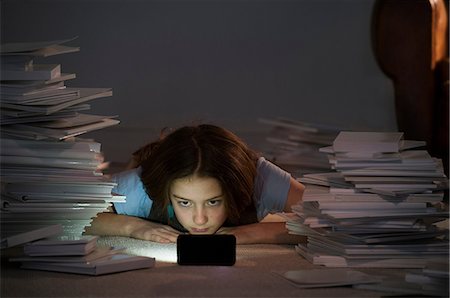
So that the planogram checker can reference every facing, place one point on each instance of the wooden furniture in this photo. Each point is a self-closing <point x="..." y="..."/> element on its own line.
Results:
<point x="410" y="39"/>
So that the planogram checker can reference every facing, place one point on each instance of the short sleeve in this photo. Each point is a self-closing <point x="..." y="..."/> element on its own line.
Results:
<point x="129" y="183"/>
<point x="271" y="188"/>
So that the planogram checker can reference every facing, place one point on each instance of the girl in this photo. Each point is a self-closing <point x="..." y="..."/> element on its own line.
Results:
<point x="200" y="180"/>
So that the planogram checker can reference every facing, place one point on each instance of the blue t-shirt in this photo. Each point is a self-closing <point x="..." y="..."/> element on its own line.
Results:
<point x="270" y="191"/>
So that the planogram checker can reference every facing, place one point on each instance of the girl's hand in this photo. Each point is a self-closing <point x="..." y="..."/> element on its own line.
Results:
<point x="112" y="224"/>
<point x="155" y="232"/>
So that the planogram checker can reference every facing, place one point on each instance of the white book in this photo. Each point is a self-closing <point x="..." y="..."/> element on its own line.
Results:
<point x="322" y="278"/>
<point x="74" y="155"/>
<point x="16" y="62"/>
<point x="39" y="48"/>
<point x="369" y="205"/>
<point x="52" y="197"/>
<point x="35" y="175"/>
<point x="59" y="133"/>
<point x="392" y="173"/>
<point x="69" y="122"/>
<point x="33" y="84"/>
<point x="396" y="186"/>
<point x="327" y="244"/>
<point x="116" y="263"/>
<point x="40" y="98"/>
<point x="67" y="187"/>
<point x="20" y="205"/>
<point x="368" y="179"/>
<point x="86" y="94"/>
<point x="429" y="166"/>
<point x="19" y="113"/>
<point x="349" y="141"/>
<point x="113" y="198"/>
<point x="62" y="246"/>
<point x="35" y="161"/>
<point x="14" y="91"/>
<point x="97" y="254"/>
<point x="39" y="72"/>
<point x="30" y="235"/>
<point x="5" y="120"/>
<point x="76" y="144"/>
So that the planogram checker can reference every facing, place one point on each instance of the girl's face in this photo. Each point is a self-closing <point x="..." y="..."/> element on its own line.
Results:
<point x="198" y="203"/>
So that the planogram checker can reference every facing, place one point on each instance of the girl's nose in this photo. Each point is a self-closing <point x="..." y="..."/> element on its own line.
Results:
<point x="200" y="217"/>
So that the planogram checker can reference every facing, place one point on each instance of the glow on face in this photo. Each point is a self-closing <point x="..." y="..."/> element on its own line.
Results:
<point x="198" y="203"/>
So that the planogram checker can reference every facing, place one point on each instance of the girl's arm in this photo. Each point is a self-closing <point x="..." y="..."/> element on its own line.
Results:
<point x="270" y="232"/>
<point x="263" y="233"/>
<point x="112" y="224"/>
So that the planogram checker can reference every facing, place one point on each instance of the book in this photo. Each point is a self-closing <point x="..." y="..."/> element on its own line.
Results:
<point x="331" y="277"/>
<point x="15" y="62"/>
<point x="57" y="93"/>
<point x="39" y="48"/>
<point x="113" y="264"/>
<point x="367" y="141"/>
<point x="36" y="84"/>
<point x="63" y="246"/>
<point x="5" y="120"/>
<point x="39" y="72"/>
<point x="57" y="130"/>
<point x="86" y="94"/>
<point x="97" y="254"/>
<point x="75" y="144"/>
<point x="67" y="187"/>
<point x="31" y="235"/>
<point x="21" y="91"/>
<point x="54" y="162"/>
<point x="18" y="114"/>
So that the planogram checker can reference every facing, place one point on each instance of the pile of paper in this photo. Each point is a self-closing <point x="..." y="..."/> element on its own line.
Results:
<point x="78" y="255"/>
<point x="49" y="175"/>
<point x="295" y="145"/>
<point x="382" y="207"/>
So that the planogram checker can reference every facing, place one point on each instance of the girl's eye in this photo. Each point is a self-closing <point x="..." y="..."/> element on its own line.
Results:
<point x="184" y="203"/>
<point x="214" y="202"/>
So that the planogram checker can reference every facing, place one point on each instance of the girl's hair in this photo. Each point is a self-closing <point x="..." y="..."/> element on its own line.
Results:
<point x="206" y="151"/>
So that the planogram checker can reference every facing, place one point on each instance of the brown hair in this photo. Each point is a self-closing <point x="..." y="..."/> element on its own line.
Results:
<point x="204" y="150"/>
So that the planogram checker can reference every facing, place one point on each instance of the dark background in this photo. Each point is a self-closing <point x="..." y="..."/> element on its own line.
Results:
<point x="227" y="62"/>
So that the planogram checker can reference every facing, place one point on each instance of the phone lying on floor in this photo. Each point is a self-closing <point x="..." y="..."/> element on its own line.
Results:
<point x="217" y="250"/>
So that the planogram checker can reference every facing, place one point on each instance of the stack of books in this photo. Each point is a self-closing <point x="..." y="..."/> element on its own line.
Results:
<point x="78" y="255"/>
<point x="49" y="174"/>
<point x="295" y="145"/>
<point x="431" y="281"/>
<point x="381" y="207"/>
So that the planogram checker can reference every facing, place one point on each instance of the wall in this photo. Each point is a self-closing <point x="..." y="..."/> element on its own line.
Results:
<point x="221" y="61"/>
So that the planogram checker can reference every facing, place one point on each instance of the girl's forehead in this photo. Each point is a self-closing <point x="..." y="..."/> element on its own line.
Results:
<point x="196" y="188"/>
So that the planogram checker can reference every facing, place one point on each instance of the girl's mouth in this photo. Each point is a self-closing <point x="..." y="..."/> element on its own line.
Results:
<point x="199" y="230"/>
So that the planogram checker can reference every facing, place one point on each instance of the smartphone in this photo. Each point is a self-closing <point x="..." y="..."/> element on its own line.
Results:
<point x="218" y="250"/>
